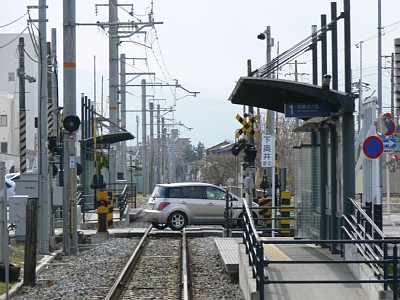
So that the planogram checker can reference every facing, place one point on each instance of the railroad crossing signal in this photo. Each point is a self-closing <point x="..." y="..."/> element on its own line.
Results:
<point x="247" y="126"/>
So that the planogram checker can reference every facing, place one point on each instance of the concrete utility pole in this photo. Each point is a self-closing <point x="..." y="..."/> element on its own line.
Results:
<point x="380" y="99"/>
<point x="151" y="160"/>
<point x="270" y="113"/>
<point x="70" y="220"/>
<point x="360" y="89"/>
<point x="249" y="180"/>
<point x="158" y="155"/>
<point x="54" y="86"/>
<point x="113" y="80"/>
<point x="396" y="71"/>
<point x="163" y="151"/>
<point x="122" y="161"/>
<point x="44" y="170"/>
<point x="144" y="146"/>
<point x="55" y="112"/>
<point x="4" y="259"/>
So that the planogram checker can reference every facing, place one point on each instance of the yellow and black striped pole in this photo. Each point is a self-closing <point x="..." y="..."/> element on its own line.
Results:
<point x="22" y="111"/>
<point x="286" y="222"/>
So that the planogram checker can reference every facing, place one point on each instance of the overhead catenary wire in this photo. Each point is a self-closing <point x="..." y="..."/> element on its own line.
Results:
<point x="12" y="22"/>
<point x="292" y="52"/>
<point x="14" y="39"/>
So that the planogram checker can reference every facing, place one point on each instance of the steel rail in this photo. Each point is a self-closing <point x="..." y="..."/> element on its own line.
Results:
<point x="185" y="285"/>
<point x="120" y="284"/>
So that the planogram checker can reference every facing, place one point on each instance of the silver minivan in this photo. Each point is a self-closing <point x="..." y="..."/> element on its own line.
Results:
<point x="180" y="204"/>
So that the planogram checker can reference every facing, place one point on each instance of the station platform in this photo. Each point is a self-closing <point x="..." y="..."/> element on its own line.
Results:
<point x="229" y="249"/>
<point x="230" y="253"/>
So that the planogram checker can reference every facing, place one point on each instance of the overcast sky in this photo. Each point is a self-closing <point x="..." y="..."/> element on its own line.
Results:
<point x="205" y="45"/>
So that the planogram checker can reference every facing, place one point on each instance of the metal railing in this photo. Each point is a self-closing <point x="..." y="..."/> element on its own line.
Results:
<point x="121" y="197"/>
<point x="359" y="226"/>
<point x="259" y="262"/>
<point x="123" y="202"/>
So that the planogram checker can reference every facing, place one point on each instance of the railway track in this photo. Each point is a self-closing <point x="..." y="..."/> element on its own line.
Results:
<point x="144" y="277"/>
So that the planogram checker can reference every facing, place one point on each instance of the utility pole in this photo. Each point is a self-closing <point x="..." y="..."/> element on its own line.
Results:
<point x="144" y="146"/>
<point x="22" y="111"/>
<point x="158" y="145"/>
<point x="43" y="176"/>
<point x="396" y="71"/>
<point x="270" y="117"/>
<point x="251" y="168"/>
<point x="380" y="99"/>
<point x="151" y="144"/>
<point x="122" y="161"/>
<point x="4" y="255"/>
<point x="137" y="132"/>
<point x="163" y="151"/>
<point x="70" y="220"/>
<point x="360" y="89"/>
<point x="113" y="80"/>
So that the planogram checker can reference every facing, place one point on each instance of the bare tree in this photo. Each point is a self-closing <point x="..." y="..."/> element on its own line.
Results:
<point x="287" y="140"/>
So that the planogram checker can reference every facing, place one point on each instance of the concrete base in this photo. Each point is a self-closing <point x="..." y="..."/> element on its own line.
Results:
<point x="363" y="271"/>
<point x="385" y="295"/>
<point x="246" y="281"/>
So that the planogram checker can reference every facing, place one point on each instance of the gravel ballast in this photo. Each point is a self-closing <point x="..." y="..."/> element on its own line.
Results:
<point x="91" y="273"/>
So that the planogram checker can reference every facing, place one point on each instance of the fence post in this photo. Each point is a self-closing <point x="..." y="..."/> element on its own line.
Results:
<point x="30" y="242"/>
<point x="260" y="269"/>
<point x="395" y="266"/>
<point x="385" y="266"/>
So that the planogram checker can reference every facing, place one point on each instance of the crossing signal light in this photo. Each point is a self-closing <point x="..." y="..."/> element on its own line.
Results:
<point x="250" y="153"/>
<point x="236" y="149"/>
<point x="71" y="123"/>
<point x="239" y="146"/>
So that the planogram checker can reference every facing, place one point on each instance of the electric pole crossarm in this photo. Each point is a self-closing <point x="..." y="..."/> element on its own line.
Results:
<point x="186" y="90"/>
<point x="120" y="24"/>
<point x="136" y="31"/>
<point x="161" y="84"/>
<point x="151" y="73"/>
<point x="137" y="75"/>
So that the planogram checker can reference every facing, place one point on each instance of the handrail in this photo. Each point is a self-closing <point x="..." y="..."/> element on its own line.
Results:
<point x="365" y="215"/>
<point x="373" y="248"/>
<point x="124" y="202"/>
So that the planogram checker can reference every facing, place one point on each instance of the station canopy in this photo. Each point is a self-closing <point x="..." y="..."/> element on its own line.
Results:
<point x="273" y="94"/>
<point x="109" y="138"/>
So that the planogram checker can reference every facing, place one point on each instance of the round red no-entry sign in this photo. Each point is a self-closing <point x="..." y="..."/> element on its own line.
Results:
<point x="373" y="146"/>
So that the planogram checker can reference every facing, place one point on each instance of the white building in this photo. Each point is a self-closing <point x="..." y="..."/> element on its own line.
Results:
<point x="9" y="100"/>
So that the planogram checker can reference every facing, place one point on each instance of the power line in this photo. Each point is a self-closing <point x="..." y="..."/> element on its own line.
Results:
<point x="12" y="22"/>
<point x="10" y="42"/>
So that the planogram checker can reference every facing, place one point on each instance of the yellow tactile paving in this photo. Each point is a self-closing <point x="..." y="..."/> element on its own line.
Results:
<point x="272" y="252"/>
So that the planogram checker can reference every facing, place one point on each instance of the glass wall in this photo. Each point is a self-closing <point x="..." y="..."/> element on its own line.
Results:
<point x="307" y="191"/>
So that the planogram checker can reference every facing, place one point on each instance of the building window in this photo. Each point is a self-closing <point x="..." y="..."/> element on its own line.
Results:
<point x="3" y="147"/>
<point x="11" y="76"/>
<point x="3" y="120"/>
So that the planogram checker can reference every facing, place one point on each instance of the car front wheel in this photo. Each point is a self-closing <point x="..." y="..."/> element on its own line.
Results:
<point x="177" y="220"/>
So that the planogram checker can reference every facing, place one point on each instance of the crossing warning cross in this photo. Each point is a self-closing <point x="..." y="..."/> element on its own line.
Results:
<point x="247" y="126"/>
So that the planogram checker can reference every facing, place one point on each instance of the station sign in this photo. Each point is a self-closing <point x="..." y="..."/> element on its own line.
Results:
<point x="307" y="110"/>
<point x="267" y="151"/>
